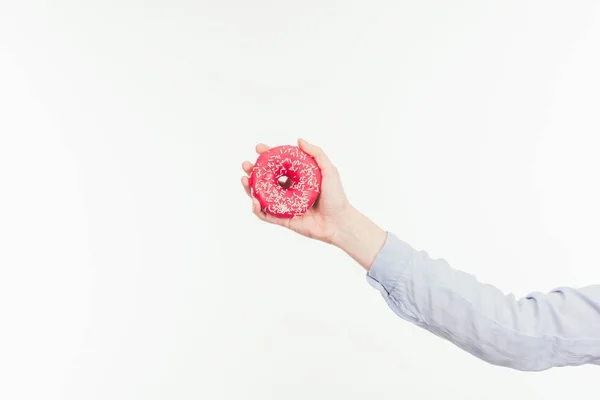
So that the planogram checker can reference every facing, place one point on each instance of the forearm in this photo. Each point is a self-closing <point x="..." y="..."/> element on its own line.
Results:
<point x="360" y="238"/>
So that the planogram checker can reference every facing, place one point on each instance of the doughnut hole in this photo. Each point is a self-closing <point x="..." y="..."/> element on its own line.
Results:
<point x="288" y="178"/>
<point x="285" y="181"/>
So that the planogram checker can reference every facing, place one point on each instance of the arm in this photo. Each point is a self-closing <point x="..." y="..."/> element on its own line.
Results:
<point x="535" y="333"/>
<point x="540" y="331"/>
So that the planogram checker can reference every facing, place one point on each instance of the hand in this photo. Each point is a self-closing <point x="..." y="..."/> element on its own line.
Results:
<point x="325" y="218"/>
<point x="331" y="219"/>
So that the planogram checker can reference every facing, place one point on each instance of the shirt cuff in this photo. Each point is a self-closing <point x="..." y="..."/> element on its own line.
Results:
<point x="391" y="274"/>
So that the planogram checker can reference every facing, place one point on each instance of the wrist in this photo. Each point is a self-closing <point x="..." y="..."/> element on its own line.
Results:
<point x="359" y="237"/>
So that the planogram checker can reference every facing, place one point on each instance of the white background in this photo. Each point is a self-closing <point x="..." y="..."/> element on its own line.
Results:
<point x="131" y="266"/>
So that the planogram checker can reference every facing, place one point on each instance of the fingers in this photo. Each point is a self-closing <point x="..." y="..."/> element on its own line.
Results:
<point x="246" y="186"/>
<point x="261" y="148"/>
<point x="257" y="211"/>
<point x="247" y="167"/>
<point x="263" y="216"/>
<point x="318" y="154"/>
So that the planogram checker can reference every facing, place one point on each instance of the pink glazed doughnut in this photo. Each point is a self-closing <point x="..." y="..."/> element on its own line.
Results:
<point x="300" y="191"/>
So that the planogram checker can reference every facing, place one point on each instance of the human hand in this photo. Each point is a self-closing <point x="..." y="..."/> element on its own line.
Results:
<point x="331" y="219"/>
<point x="325" y="218"/>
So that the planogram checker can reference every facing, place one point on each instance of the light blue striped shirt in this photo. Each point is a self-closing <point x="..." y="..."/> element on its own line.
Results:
<point x="535" y="333"/>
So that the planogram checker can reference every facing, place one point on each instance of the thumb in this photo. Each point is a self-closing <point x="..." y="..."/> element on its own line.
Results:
<point x="317" y="153"/>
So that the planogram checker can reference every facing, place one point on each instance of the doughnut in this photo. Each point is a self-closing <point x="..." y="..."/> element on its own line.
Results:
<point x="298" y="193"/>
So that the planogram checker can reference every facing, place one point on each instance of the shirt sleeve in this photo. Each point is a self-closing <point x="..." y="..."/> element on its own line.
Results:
<point x="534" y="333"/>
